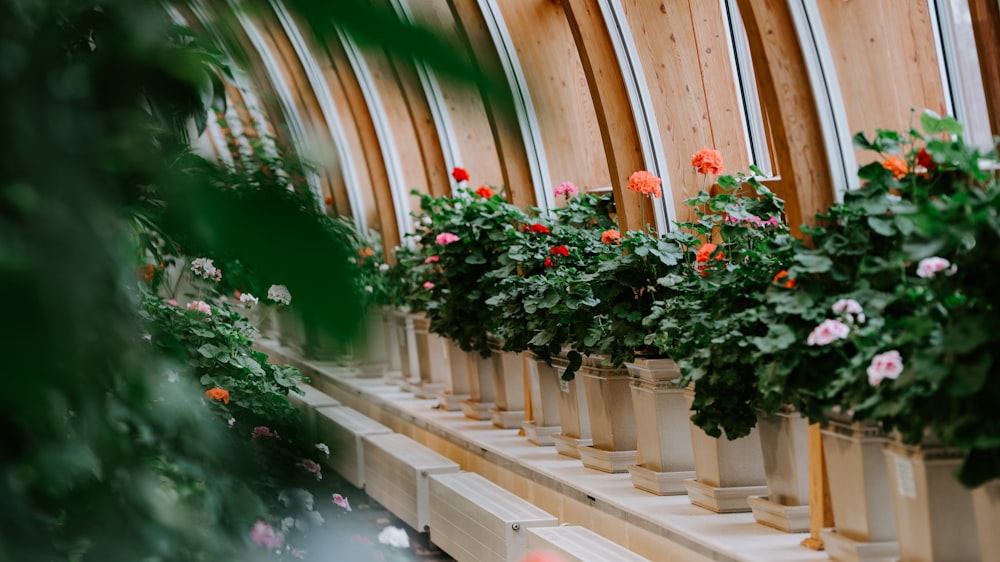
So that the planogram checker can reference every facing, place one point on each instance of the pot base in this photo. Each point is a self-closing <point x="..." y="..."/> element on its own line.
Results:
<point x="844" y="549"/>
<point x="371" y="370"/>
<point x="476" y="410"/>
<point x="787" y="518"/>
<point x="540" y="435"/>
<point x="570" y="446"/>
<point x="451" y="402"/>
<point x="607" y="461"/>
<point x="722" y="500"/>
<point x="660" y="483"/>
<point x="507" y="419"/>
<point x="430" y="389"/>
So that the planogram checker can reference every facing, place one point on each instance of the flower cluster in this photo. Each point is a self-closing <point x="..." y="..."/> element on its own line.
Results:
<point x="707" y="161"/>
<point x="754" y="220"/>
<point x="200" y="306"/>
<point x="566" y="189"/>
<point x="279" y="294"/>
<point x="204" y="268"/>
<point x="645" y="183"/>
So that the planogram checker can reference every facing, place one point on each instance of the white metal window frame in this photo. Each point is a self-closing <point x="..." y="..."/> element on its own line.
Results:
<point x="330" y="114"/>
<point x="524" y="108"/>
<point x="383" y="132"/>
<point x="641" y="103"/>
<point x="837" y="139"/>
<point x="448" y="140"/>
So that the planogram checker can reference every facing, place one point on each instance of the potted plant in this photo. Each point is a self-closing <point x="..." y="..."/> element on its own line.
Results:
<point x="707" y="322"/>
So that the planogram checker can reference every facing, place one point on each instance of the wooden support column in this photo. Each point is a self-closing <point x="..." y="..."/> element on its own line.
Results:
<point x="986" y="26"/>
<point x="622" y="144"/>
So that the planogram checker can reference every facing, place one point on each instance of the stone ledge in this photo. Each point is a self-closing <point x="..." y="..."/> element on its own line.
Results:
<point x="650" y="525"/>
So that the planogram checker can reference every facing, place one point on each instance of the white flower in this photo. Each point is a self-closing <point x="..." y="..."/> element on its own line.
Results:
<point x="204" y="268"/>
<point x="171" y="376"/>
<point x="384" y="267"/>
<point x="280" y="294"/>
<point x="426" y="220"/>
<point x="394" y="537"/>
<point x="369" y="289"/>
<point x="248" y="300"/>
<point x="886" y="365"/>
<point x="147" y="337"/>
<point x="231" y="421"/>
<point x="828" y="332"/>
<point x="323" y="448"/>
<point x="928" y="267"/>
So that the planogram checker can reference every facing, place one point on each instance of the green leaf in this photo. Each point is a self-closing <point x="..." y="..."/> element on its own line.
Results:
<point x="881" y="226"/>
<point x="779" y="337"/>
<point x="933" y="124"/>
<point x="209" y="351"/>
<point x="812" y="263"/>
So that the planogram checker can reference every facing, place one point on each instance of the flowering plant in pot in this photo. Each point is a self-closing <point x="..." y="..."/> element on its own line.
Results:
<point x="461" y="244"/>
<point x="715" y="304"/>
<point x="545" y="299"/>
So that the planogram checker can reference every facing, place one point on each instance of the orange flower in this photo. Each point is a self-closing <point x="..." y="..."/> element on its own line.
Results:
<point x="366" y="252"/>
<point x="896" y="166"/>
<point x="611" y="236"/>
<point x="484" y="192"/>
<point x="783" y="274"/>
<point x="707" y="161"/>
<point x="645" y="182"/>
<point x="145" y="273"/>
<point x="329" y="201"/>
<point x="704" y="255"/>
<point x="217" y="394"/>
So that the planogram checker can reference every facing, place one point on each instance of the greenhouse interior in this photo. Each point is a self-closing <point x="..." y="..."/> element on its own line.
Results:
<point x="500" y="280"/>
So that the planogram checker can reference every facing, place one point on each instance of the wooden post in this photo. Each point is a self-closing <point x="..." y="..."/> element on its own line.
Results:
<point x="820" y="510"/>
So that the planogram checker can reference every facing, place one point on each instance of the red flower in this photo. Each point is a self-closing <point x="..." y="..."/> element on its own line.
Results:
<point x="329" y="201"/>
<point x="704" y="255"/>
<point x="460" y="174"/>
<point x="707" y="161"/>
<point x="538" y="229"/>
<point x="611" y="236"/>
<point x="548" y="262"/>
<point x="559" y="251"/>
<point x="484" y="192"/>
<point x="783" y="274"/>
<point x="924" y="159"/>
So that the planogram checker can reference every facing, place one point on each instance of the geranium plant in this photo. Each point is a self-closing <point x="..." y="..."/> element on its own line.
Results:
<point x="715" y="303"/>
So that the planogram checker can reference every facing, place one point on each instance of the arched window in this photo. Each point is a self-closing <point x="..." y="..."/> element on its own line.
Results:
<point x="752" y="111"/>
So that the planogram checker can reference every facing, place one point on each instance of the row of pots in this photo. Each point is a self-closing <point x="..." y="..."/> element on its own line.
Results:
<point x="888" y="500"/>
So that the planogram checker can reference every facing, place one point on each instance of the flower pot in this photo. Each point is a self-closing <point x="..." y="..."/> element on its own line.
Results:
<point x="573" y="414"/>
<point x="934" y="514"/>
<point x="612" y="419"/>
<point x="986" y="503"/>
<point x="661" y="427"/>
<point x="859" y="492"/>
<point x="411" y="360"/>
<point x="727" y="472"/>
<point x="480" y="400"/>
<point x="458" y="385"/>
<point x="372" y="348"/>
<point x="543" y="387"/>
<point x="784" y="443"/>
<point x="508" y="387"/>
<point x="432" y="359"/>
<point x="394" y="346"/>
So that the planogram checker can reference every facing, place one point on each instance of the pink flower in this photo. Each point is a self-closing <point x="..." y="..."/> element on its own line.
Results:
<point x="850" y="309"/>
<point x="828" y="332"/>
<point x="265" y="535"/>
<point x="264" y="431"/>
<point x="432" y="259"/>
<point x="566" y="188"/>
<point x="428" y="285"/>
<point x="928" y="267"/>
<point x="446" y="238"/>
<point x="200" y="306"/>
<point x="886" y="365"/>
<point x="342" y="502"/>
<point x="173" y="302"/>
<point x="312" y="467"/>
<point x="730" y="219"/>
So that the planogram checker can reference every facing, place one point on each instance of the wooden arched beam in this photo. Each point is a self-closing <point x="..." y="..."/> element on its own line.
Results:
<point x="515" y="165"/>
<point x="566" y="119"/>
<point x="609" y="90"/>
<point x="986" y="26"/>
<point x="796" y="130"/>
